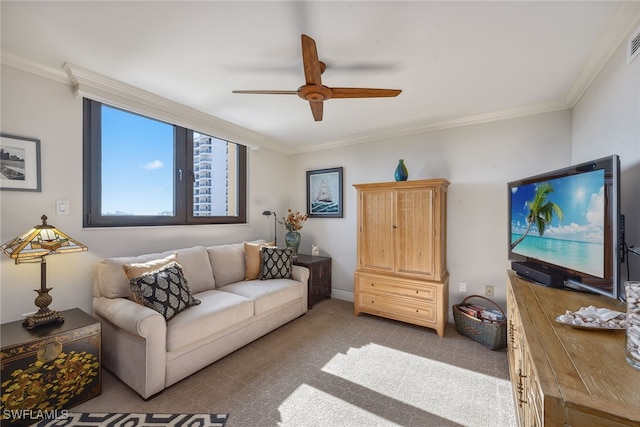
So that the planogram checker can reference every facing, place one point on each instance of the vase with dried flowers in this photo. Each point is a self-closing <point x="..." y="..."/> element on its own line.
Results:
<point x="293" y="223"/>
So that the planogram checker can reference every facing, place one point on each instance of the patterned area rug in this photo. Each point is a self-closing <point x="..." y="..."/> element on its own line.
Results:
<point x="98" y="419"/>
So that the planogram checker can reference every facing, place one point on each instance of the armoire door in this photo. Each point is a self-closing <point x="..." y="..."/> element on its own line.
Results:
<point x="376" y="233"/>
<point x="414" y="231"/>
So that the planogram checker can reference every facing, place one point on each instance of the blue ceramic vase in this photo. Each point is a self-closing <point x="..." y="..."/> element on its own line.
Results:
<point x="401" y="173"/>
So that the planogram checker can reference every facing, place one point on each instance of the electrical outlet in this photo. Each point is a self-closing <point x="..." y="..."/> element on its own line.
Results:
<point x="488" y="291"/>
<point x="463" y="286"/>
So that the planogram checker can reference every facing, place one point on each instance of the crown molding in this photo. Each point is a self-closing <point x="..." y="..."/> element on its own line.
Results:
<point x="625" y="19"/>
<point x="86" y="83"/>
<point x="14" y="61"/>
<point x="425" y="127"/>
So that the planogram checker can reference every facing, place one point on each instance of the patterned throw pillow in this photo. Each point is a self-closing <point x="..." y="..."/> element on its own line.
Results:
<point x="165" y="290"/>
<point x="276" y="263"/>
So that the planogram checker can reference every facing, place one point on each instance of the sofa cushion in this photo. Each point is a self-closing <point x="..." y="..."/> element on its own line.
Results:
<point x="253" y="259"/>
<point x="113" y="282"/>
<point x="227" y="262"/>
<point x="165" y="290"/>
<point x="111" y="278"/>
<point x="276" y="263"/>
<point x="218" y="311"/>
<point x="267" y="294"/>
<point x="137" y="269"/>
<point x="197" y="268"/>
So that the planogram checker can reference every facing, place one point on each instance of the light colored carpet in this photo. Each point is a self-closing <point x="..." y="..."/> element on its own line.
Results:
<point x="331" y="368"/>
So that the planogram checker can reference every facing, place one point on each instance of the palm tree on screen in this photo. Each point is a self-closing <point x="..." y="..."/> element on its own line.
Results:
<point x="541" y="211"/>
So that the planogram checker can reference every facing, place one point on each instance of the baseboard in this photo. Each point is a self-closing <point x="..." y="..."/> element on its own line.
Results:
<point x="343" y="295"/>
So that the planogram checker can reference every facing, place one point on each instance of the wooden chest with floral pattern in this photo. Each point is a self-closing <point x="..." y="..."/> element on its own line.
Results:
<point x="49" y="369"/>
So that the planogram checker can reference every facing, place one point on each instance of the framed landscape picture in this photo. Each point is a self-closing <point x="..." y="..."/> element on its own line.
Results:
<point x="324" y="193"/>
<point x="19" y="163"/>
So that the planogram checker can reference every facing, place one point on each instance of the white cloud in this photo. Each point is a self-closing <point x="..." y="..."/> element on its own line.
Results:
<point x="156" y="164"/>
<point x="573" y="231"/>
<point x="569" y="229"/>
<point x="595" y="211"/>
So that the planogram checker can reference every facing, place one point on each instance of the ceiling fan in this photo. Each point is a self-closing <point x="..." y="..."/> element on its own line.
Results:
<point x="314" y="91"/>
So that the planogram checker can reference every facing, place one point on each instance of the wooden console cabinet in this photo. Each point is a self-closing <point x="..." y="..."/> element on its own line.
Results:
<point x="401" y="264"/>
<point x="564" y="376"/>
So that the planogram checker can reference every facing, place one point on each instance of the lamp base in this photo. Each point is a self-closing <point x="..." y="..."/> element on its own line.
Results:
<point x="38" y="319"/>
<point x="45" y="314"/>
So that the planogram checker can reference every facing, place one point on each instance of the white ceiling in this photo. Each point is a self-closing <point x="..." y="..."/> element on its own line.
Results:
<point x="456" y="62"/>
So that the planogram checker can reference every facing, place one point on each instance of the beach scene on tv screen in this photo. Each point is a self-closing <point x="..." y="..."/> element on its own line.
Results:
<point x="561" y="221"/>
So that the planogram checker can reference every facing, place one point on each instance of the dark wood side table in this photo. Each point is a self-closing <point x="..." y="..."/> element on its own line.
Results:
<point x="319" y="276"/>
<point x="50" y="368"/>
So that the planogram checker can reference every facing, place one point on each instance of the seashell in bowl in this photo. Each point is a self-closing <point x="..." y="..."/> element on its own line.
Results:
<point x="595" y="318"/>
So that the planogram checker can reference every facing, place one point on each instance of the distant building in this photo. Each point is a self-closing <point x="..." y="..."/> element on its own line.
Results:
<point x="5" y="155"/>
<point x="211" y="176"/>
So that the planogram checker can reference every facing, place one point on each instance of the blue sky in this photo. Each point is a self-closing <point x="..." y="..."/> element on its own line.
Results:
<point x="581" y="198"/>
<point x="137" y="167"/>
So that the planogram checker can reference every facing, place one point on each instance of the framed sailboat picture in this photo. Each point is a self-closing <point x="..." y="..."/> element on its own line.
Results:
<point x="324" y="193"/>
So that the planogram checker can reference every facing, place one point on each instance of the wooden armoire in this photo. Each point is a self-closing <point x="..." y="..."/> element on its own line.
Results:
<point x="401" y="266"/>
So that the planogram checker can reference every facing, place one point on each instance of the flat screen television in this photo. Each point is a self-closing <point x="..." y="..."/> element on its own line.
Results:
<point x="565" y="227"/>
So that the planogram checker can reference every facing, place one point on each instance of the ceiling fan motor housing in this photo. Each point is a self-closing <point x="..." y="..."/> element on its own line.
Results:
<point x="315" y="92"/>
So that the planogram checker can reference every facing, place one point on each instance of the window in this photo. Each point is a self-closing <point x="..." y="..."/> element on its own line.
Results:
<point x="141" y="171"/>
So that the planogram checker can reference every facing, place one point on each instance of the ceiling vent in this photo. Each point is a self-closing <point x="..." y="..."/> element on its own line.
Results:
<point x="633" y="46"/>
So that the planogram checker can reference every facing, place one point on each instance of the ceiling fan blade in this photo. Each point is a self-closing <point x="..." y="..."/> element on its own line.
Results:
<point x="313" y="68"/>
<point x="316" y="109"/>
<point x="267" y="92"/>
<point x="359" y="92"/>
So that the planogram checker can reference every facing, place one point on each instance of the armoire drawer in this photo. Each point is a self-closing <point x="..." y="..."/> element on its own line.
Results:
<point x="423" y="292"/>
<point x="397" y="307"/>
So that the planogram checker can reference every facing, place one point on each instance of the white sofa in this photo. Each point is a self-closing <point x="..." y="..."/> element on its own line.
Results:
<point x="149" y="353"/>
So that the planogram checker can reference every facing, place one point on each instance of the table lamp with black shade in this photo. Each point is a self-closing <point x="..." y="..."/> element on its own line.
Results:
<point x="34" y="246"/>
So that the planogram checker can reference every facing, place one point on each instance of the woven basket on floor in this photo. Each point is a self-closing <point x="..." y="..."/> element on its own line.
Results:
<point x="491" y="334"/>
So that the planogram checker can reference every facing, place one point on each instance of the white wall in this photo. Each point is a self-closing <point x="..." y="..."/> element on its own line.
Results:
<point x="479" y="160"/>
<point x="44" y="109"/>
<point x="606" y="121"/>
